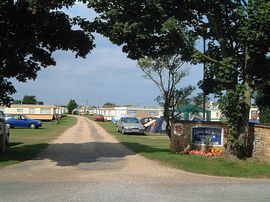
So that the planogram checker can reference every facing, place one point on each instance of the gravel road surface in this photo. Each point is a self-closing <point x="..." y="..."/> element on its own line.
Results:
<point x="87" y="164"/>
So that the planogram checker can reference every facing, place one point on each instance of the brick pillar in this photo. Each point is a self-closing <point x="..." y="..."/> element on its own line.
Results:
<point x="180" y="138"/>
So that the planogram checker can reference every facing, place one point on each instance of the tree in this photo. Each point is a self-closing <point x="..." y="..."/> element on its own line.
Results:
<point x="40" y="103"/>
<point x="237" y="38"/>
<point x="167" y="72"/>
<point x="17" y="102"/>
<point x="262" y="100"/>
<point x="31" y="31"/>
<point x="198" y="99"/>
<point x="109" y="105"/>
<point x="29" y="99"/>
<point x="71" y="105"/>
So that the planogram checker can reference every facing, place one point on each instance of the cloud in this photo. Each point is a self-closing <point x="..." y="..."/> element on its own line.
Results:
<point x="105" y="75"/>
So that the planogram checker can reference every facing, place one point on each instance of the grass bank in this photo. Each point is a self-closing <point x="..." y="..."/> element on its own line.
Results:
<point x="26" y="143"/>
<point x="157" y="148"/>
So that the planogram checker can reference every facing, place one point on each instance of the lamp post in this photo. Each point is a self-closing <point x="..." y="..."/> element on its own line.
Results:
<point x="204" y="33"/>
<point x="204" y="97"/>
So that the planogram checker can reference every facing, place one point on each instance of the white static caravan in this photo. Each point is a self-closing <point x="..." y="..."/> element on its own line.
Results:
<point x="40" y="112"/>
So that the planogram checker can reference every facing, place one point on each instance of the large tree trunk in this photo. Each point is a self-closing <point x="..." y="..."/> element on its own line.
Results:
<point x="248" y="92"/>
<point x="243" y="126"/>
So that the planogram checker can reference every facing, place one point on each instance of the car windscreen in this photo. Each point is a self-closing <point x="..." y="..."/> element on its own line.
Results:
<point x="131" y="120"/>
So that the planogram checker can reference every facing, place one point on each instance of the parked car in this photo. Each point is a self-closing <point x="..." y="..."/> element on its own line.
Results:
<point x="99" y="117"/>
<point x="130" y="125"/>
<point x="4" y="132"/>
<point x="17" y="120"/>
<point x="117" y="118"/>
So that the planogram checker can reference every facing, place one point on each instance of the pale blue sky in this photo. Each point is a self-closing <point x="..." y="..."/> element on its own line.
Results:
<point x="106" y="75"/>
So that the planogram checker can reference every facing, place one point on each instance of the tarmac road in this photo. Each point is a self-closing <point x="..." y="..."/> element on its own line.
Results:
<point x="87" y="164"/>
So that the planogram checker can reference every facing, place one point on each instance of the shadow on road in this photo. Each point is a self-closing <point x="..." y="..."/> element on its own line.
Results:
<point x="71" y="154"/>
<point x="18" y="152"/>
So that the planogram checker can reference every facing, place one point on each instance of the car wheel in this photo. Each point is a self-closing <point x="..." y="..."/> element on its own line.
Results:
<point x="8" y="125"/>
<point x="33" y="126"/>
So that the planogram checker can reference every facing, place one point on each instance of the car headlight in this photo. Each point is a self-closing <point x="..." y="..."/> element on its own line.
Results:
<point x="127" y="127"/>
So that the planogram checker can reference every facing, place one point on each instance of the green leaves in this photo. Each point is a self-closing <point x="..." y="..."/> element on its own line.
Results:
<point x="6" y="89"/>
<point x="143" y="28"/>
<point x="263" y="102"/>
<point x="30" y="32"/>
<point x="167" y="72"/>
<point x="254" y="26"/>
<point x="71" y="105"/>
<point x="236" y="35"/>
<point x="232" y="105"/>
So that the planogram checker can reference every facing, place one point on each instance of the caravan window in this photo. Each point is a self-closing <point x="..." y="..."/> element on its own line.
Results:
<point x="45" y="111"/>
<point x="19" y="110"/>
<point x="131" y="112"/>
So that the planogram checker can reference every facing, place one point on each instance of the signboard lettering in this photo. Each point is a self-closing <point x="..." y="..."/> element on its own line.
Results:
<point x="178" y="129"/>
<point x="207" y="135"/>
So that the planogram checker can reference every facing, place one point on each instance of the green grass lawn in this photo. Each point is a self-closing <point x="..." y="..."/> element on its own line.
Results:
<point x="26" y="143"/>
<point x="157" y="148"/>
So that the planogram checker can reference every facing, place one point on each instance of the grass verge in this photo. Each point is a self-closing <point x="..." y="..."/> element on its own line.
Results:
<point x="26" y="143"/>
<point x="157" y="148"/>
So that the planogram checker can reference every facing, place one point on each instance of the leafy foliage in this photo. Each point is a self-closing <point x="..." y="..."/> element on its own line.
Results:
<point x="232" y="106"/>
<point x="145" y="27"/>
<point x="167" y="72"/>
<point x="263" y="102"/>
<point x="109" y="105"/>
<point x="17" y="102"/>
<point x="71" y="105"/>
<point x="236" y="34"/>
<point x="30" y="32"/>
<point x="29" y="99"/>
<point x="198" y="99"/>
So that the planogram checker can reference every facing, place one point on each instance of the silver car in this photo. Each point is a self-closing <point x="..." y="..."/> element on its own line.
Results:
<point x="130" y="125"/>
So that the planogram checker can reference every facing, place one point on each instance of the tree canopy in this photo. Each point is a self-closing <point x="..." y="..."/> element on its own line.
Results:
<point x="167" y="72"/>
<point x="262" y="100"/>
<point x="30" y="32"/>
<point x="145" y="27"/>
<point x="198" y="100"/>
<point x="109" y="105"/>
<point x="29" y="99"/>
<point x="71" y="105"/>
<point x="236" y="34"/>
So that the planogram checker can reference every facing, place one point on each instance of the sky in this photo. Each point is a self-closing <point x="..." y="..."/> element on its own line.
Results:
<point x="105" y="75"/>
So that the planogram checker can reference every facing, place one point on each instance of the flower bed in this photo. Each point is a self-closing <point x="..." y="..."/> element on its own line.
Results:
<point x="211" y="153"/>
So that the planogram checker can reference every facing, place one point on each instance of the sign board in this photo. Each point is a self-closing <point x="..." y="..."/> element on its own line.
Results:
<point x="207" y="135"/>
<point x="178" y="129"/>
<point x="254" y="115"/>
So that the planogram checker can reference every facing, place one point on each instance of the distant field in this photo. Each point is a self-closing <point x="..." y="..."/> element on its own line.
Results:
<point x="26" y="143"/>
<point x="158" y="148"/>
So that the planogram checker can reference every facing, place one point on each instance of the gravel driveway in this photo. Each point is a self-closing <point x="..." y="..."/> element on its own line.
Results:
<point x="87" y="164"/>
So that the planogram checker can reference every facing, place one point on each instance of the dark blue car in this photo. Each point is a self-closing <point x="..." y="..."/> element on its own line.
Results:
<point x="21" y="121"/>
